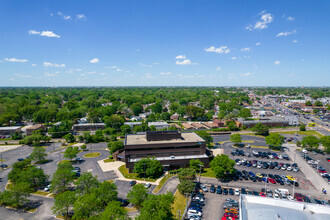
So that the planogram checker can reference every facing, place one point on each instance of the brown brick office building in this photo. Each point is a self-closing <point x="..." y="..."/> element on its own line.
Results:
<point x="172" y="148"/>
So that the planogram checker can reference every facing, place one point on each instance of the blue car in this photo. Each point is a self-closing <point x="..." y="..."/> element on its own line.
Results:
<point x="249" y="164"/>
<point x="265" y="179"/>
<point x="251" y="174"/>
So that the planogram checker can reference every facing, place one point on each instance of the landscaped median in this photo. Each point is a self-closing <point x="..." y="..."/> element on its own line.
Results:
<point x="179" y="205"/>
<point x="92" y="155"/>
<point x="134" y="176"/>
<point x="162" y="183"/>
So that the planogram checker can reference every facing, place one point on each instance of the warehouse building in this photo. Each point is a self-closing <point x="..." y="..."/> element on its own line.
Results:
<point x="9" y="130"/>
<point x="88" y="127"/>
<point x="172" y="148"/>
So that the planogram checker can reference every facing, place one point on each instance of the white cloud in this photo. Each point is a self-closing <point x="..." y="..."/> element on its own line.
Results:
<point x="234" y="58"/>
<point x="258" y="43"/>
<point x="183" y="62"/>
<point x="284" y="34"/>
<point x="111" y="67"/>
<point x="22" y="75"/>
<point x="220" y="50"/>
<point x="49" y="74"/>
<point x="93" y="72"/>
<point x="119" y="70"/>
<point x="15" y="60"/>
<point x="44" y="33"/>
<point x="65" y="17"/>
<point x="165" y="73"/>
<point x="277" y="62"/>
<point x="95" y="60"/>
<point x="33" y="64"/>
<point x="149" y="76"/>
<point x="218" y="68"/>
<point x="294" y="41"/>
<point x="47" y="64"/>
<point x="102" y="74"/>
<point x="81" y="17"/>
<point x="262" y="23"/>
<point x="246" y="49"/>
<point x="246" y="74"/>
<point x="180" y="57"/>
<point x="290" y="18"/>
<point x="145" y="65"/>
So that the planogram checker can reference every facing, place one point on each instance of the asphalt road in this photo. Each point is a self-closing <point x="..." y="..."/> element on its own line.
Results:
<point x="124" y="188"/>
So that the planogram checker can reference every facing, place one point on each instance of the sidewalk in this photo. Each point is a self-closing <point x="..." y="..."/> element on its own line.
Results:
<point x="309" y="172"/>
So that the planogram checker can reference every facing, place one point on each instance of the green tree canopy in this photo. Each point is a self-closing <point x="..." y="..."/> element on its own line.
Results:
<point x="245" y="113"/>
<point x="196" y="165"/>
<point x="310" y="142"/>
<point x="85" y="183"/>
<point x="114" y="211"/>
<point x="137" y="195"/>
<point x="325" y="141"/>
<point x="38" y="154"/>
<point x="115" y="145"/>
<point x="63" y="203"/>
<point x="71" y="152"/>
<point x="69" y="138"/>
<point x="222" y="166"/>
<point x="261" y="129"/>
<point x="62" y="178"/>
<point x="236" y="138"/>
<point x="205" y="135"/>
<point x="274" y="140"/>
<point x="308" y="103"/>
<point x="150" y="167"/>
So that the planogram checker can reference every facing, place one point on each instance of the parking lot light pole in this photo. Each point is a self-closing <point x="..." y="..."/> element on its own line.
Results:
<point x="200" y="172"/>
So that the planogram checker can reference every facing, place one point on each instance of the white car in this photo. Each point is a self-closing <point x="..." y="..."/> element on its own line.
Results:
<point x="254" y="152"/>
<point x="239" y="163"/>
<point x="304" y="151"/>
<point x="199" y="198"/>
<point x="276" y="196"/>
<point x="280" y="157"/>
<point x="147" y="185"/>
<point x="248" y="146"/>
<point x="296" y="169"/>
<point x="237" y="192"/>
<point x="289" y="168"/>
<point x="47" y="188"/>
<point x="290" y="198"/>
<point x="194" y="212"/>
<point x="259" y="166"/>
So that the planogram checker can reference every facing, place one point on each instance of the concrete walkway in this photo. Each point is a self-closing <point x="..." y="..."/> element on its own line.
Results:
<point x="310" y="173"/>
<point x="8" y="147"/>
<point x="114" y="166"/>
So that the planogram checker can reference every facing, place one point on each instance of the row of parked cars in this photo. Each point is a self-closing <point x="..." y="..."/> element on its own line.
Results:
<point x="269" y="155"/>
<point x="314" y="163"/>
<point x="272" y="178"/>
<point x="231" y="210"/>
<point x="267" y="164"/>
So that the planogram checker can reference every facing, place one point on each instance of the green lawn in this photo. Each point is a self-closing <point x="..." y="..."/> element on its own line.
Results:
<point x="207" y="172"/>
<point x="41" y="193"/>
<point x="91" y="155"/>
<point x="162" y="182"/>
<point x="180" y="202"/>
<point x="108" y="160"/>
<point x="133" y="176"/>
<point x="315" y="133"/>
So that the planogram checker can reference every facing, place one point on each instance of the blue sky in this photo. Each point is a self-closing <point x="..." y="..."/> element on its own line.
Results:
<point x="164" y="43"/>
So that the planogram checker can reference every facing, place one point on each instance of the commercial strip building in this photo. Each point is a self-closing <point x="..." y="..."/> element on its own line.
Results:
<point x="37" y="127"/>
<point x="88" y="127"/>
<point x="172" y="148"/>
<point x="160" y="125"/>
<point x="269" y="121"/>
<point x="9" y="130"/>
<point x="261" y="208"/>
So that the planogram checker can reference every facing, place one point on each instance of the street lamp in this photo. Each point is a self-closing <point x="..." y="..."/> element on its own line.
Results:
<point x="200" y="172"/>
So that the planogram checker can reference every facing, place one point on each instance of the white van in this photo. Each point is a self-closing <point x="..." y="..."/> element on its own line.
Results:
<point x="282" y="191"/>
<point x="304" y="151"/>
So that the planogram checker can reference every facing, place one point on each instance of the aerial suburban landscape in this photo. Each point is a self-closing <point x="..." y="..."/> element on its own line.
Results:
<point x="165" y="110"/>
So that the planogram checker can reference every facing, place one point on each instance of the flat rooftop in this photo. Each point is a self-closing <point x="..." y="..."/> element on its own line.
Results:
<point x="10" y="128"/>
<point x="173" y="158"/>
<point x="140" y="139"/>
<point x="260" y="208"/>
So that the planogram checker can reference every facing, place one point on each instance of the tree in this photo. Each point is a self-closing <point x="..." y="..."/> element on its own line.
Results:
<point x="85" y="183"/>
<point x="86" y="206"/>
<point x="206" y="136"/>
<point x="318" y="103"/>
<point x="114" y="211"/>
<point x="69" y="138"/>
<point x="71" y="152"/>
<point x="64" y="203"/>
<point x="302" y="127"/>
<point x="136" y="108"/>
<point x="236" y="138"/>
<point x="274" y="140"/>
<point x="114" y="121"/>
<point x="115" y="145"/>
<point x="325" y="141"/>
<point x="157" y="207"/>
<point x="20" y="193"/>
<point x="186" y="186"/>
<point x="150" y="167"/>
<point x="222" y="166"/>
<point x="137" y="195"/>
<point x="310" y="141"/>
<point x="83" y="147"/>
<point x="62" y="178"/>
<point x="308" y="103"/>
<point x="245" y="113"/>
<point x="34" y="176"/>
<point x="38" y="154"/>
<point x="125" y="129"/>
<point x="261" y="129"/>
<point x="196" y="165"/>
<point x="106" y="192"/>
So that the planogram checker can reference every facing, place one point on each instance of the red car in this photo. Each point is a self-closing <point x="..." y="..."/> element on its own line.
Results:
<point x="228" y="218"/>
<point x="322" y="171"/>
<point x="262" y="194"/>
<point x="272" y="180"/>
<point x="298" y="195"/>
<point x="299" y="199"/>
<point x="230" y="215"/>
<point x="328" y="159"/>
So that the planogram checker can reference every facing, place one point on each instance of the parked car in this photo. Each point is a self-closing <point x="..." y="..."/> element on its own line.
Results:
<point x="132" y="183"/>
<point x="147" y="185"/>
<point x="219" y="190"/>
<point x="47" y="188"/>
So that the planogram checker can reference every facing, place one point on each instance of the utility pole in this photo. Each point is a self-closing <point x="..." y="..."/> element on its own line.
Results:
<point x="144" y="167"/>
<point x="200" y="172"/>
<point x="1" y="161"/>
